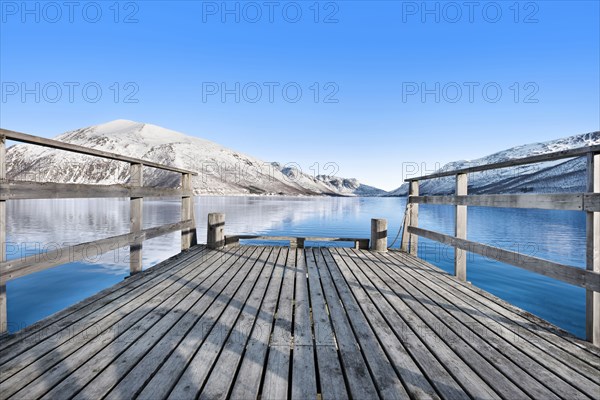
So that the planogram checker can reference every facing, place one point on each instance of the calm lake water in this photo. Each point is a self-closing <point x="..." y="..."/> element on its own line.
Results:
<point x="37" y="225"/>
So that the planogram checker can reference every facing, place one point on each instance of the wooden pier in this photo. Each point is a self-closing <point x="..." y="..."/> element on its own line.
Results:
<point x="235" y="320"/>
<point x="247" y="322"/>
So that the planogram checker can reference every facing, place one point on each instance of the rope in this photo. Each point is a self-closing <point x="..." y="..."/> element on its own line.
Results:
<point x="401" y="229"/>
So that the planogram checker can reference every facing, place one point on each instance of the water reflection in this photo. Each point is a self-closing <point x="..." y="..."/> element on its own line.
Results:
<point x="34" y="225"/>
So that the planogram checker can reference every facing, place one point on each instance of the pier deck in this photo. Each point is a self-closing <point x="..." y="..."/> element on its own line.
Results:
<point x="250" y="322"/>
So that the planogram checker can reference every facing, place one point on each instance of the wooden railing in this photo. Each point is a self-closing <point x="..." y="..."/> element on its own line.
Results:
<point x="588" y="202"/>
<point x="135" y="190"/>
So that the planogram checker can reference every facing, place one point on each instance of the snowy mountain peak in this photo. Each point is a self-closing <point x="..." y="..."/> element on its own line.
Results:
<point x="554" y="176"/>
<point x="222" y="171"/>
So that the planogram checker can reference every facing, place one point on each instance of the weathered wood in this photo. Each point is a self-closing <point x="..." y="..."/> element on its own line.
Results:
<point x="247" y="384"/>
<point x="188" y="236"/>
<point x="592" y="310"/>
<point x="415" y="382"/>
<point x="559" y="155"/>
<point x="136" y="212"/>
<point x="504" y="345"/>
<point x="460" y="228"/>
<point x="554" y="201"/>
<point x="55" y="144"/>
<point x="424" y="343"/>
<point x="210" y="323"/>
<point x="221" y="379"/>
<point x="573" y="275"/>
<point x="3" y="216"/>
<point x="276" y="382"/>
<point x="114" y="334"/>
<point x="18" y="190"/>
<point x="413" y="219"/>
<point x="17" y="268"/>
<point x="215" y="230"/>
<point x="379" y="234"/>
<point x="304" y="382"/>
<point x="297" y="242"/>
<point x="330" y="370"/>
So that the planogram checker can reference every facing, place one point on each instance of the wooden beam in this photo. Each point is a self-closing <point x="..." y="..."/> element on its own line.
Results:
<point x="460" y="228"/>
<point x="592" y="299"/>
<point x="188" y="236"/>
<point x="413" y="219"/>
<point x="359" y="243"/>
<point x="566" y="273"/>
<point x="559" y="155"/>
<point x="136" y="215"/>
<point x="215" y="230"/>
<point x="17" y="268"/>
<point x="559" y="201"/>
<point x="3" y="217"/>
<point x="55" y="144"/>
<point x="19" y="190"/>
<point x="379" y="234"/>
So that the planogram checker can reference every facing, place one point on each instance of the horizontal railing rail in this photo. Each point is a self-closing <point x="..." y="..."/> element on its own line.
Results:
<point x="298" y="241"/>
<point x="135" y="190"/>
<point x="588" y="202"/>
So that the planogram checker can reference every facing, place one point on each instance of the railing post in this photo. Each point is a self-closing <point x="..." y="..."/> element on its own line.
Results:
<point x="460" y="256"/>
<point x="188" y="235"/>
<point x="411" y="241"/>
<point x="3" y="313"/>
<point x="215" y="231"/>
<point x="135" y="217"/>
<point x="379" y="234"/>
<point x="592" y="299"/>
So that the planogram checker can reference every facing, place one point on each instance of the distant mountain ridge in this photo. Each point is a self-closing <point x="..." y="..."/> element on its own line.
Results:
<point x="221" y="171"/>
<point x="549" y="177"/>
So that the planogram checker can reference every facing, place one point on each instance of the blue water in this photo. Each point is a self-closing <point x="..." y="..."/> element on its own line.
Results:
<point x="37" y="225"/>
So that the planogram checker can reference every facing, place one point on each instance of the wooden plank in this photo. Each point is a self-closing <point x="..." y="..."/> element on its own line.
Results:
<point x="426" y="347"/>
<point x="412" y="377"/>
<point x="222" y="377"/>
<point x="460" y="228"/>
<point x="17" y="268"/>
<point x="471" y="351"/>
<point x="554" y="201"/>
<point x="533" y="362"/>
<point x="248" y="378"/>
<point x="70" y="366"/>
<point x="188" y="235"/>
<point x="165" y="379"/>
<point x="55" y="144"/>
<point x="592" y="263"/>
<point x="329" y="366"/>
<point x="41" y="330"/>
<point x="193" y="378"/>
<point x="365" y="364"/>
<point x="558" y="155"/>
<point x="573" y="275"/>
<point x="19" y="190"/>
<point x="136" y="213"/>
<point x="413" y="219"/>
<point x="138" y="364"/>
<point x="304" y="380"/>
<point x="3" y="223"/>
<point x="552" y="339"/>
<point x="276" y="379"/>
<point x="19" y="363"/>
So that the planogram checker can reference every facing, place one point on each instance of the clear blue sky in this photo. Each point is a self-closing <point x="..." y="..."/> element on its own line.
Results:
<point x="374" y="58"/>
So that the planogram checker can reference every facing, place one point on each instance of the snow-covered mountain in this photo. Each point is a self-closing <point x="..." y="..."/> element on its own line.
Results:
<point x="549" y="177"/>
<point x="221" y="171"/>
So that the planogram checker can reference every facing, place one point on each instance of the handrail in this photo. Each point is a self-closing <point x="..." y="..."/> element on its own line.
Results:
<point x="588" y="202"/>
<point x="55" y="144"/>
<point x="135" y="190"/>
<point x="298" y="241"/>
<point x="558" y="155"/>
